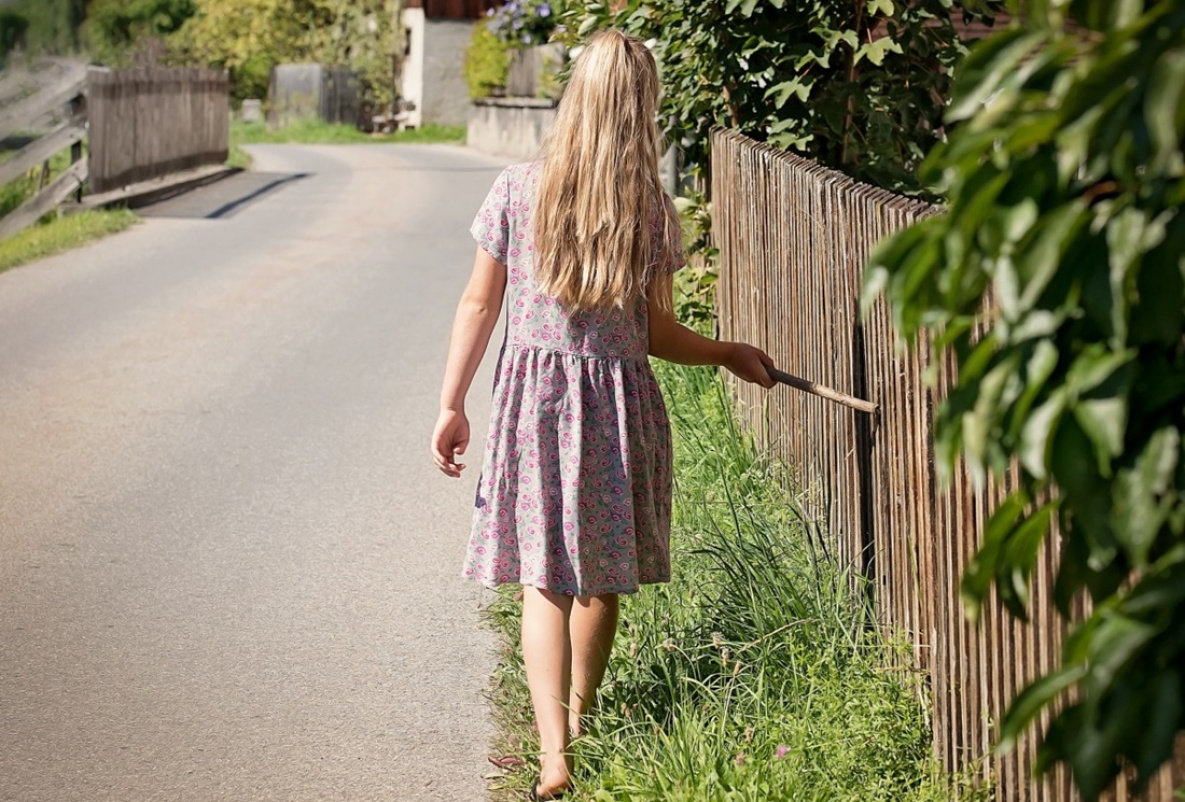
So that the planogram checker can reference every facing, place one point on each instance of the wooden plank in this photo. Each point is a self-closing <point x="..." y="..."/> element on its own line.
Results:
<point x="25" y="113"/>
<point x="42" y="149"/>
<point x="42" y="204"/>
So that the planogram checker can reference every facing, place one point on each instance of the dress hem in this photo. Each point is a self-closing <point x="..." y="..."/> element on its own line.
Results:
<point x="494" y="584"/>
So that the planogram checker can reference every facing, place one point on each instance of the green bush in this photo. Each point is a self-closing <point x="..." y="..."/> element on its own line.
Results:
<point x="487" y="61"/>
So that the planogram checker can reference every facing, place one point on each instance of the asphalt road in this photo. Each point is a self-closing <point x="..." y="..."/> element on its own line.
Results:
<point x="228" y="570"/>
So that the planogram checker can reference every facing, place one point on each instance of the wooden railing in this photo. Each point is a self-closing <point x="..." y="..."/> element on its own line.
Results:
<point x="63" y="97"/>
<point x="138" y="125"/>
<point x="793" y="240"/>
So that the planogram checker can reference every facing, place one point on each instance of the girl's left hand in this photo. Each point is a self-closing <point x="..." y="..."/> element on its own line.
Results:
<point x="449" y="440"/>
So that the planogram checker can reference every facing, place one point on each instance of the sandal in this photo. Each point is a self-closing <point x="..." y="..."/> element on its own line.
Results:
<point x="507" y="762"/>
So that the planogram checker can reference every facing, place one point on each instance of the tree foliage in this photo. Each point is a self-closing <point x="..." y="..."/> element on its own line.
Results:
<point x="46" y="27"/>
<point x="12" y="31"/>
<point x="249" y="37"/>
<point x="856" y="84"/>
<point x="114" y="28"/>
<point x="1065" y="174"/>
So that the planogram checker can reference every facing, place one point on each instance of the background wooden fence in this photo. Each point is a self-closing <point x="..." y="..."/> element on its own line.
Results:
<point x="314" y="91"/>
<point x="793" y="240"/>
<point x="148" y="123"/>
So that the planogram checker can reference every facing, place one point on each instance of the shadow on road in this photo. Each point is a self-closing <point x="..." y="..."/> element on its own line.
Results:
<point x="224" y="198"/>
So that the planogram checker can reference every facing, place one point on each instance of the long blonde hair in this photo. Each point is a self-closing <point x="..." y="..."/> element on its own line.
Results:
<point x="600" y="201"/>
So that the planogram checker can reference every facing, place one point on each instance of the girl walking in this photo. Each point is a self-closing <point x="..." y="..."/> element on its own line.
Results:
<point x="574" y="498"/>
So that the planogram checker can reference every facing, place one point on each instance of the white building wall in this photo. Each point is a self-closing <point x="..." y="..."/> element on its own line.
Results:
<point x="412" y="88"/>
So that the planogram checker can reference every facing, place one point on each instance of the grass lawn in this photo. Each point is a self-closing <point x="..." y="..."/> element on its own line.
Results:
<point x="60" y="235"/>
<point x="316" y="132"/>
<point x="755" y="675"/>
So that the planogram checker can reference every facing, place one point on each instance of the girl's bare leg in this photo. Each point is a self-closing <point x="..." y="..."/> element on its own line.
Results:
<point x="592" y="625"/>
<point x="548" y="658"/>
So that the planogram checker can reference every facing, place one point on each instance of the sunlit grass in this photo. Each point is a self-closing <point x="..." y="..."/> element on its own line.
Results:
<point x="317" y="132"/>
<point x="60" y="235"/>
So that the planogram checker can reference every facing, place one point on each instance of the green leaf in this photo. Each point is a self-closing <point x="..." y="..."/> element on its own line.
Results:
<point x="1164" y="107"/>
<point x="978" y="575"/>
<point x="1019" y="559"/>
<point x="1035" y="436"/>
<point x="1143" y="494"/>
<point x="783" y="91"/>
<point x="1116" y="641"/>
<point x="876" y="51"/>
<point x="1104" y="420"/>
<point x="1039" y="256"/>
<point x="1096" y="366"/>
<point x="1085" y="493"/>
<point x="880" y="7"/>
<point x="1166" y="712"/>
<point x="1159" y="315"/>
<point x="981" y="425"/>
<point x="989" y="62"/>
<point x="1032" y="700"/>
<point x="1038" y="368"/>
<point x="1129" y="234"/>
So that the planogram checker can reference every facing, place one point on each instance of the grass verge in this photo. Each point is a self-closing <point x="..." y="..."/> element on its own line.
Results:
<point x="753" y="676"/>
<point x="61" y="234"/>
<point x="316" y="132"/>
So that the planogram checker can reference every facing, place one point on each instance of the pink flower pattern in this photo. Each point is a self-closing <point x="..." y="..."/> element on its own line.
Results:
<point x="575" y="490"/>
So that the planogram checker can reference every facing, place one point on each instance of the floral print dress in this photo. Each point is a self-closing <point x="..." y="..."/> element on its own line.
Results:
<point x="575" y="490"/>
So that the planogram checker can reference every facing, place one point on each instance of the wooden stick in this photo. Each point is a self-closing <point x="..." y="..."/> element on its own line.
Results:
<point x="824" y="392"/>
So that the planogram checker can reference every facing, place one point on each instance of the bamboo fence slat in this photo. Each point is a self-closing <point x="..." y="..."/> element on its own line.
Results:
<point x="793" y="240"/>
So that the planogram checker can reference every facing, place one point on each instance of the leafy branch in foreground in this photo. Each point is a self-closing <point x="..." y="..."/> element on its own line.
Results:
<point x="1065" y="175"/>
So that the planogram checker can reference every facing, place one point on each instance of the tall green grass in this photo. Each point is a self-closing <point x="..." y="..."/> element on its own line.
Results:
<point x="755" y="675"/>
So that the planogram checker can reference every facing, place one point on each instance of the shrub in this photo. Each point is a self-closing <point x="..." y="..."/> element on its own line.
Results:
<point x="487" y="62"/>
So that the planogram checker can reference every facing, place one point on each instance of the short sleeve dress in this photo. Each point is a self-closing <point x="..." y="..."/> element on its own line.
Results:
<point x="575" y="490"/>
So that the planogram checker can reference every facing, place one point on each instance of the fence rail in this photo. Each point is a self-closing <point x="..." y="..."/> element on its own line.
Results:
<point x="55" y="98"/>
<point x="793" y="240"/>
<point x="148" y="123"/>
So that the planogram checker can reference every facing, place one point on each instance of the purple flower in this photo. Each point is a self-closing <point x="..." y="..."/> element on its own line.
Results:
<point x="782" y="751"/>
<point x="545" y="10"/>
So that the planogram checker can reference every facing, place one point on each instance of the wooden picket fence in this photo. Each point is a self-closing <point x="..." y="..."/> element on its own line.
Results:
<point x="793" y="240"/>
<point x="152" y="122"/>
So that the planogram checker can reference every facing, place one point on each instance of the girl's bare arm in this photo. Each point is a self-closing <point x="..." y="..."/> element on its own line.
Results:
<point x="674" y="342"/>
<point x="477" y="314"/>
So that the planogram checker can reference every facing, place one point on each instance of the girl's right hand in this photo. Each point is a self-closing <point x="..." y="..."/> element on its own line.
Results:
<point x="449" y="441"/>
<point x="750" y="364"/>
